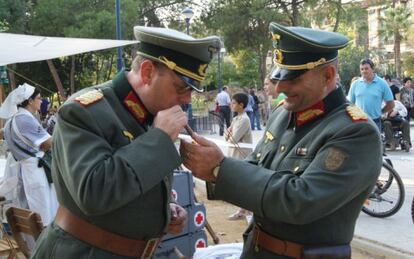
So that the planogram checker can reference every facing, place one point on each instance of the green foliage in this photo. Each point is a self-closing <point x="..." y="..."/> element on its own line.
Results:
<point x="13" y="16"/>
<point x="3" y="26"/>
<point x="83" y="19"/>
<point x="244" y="26"/>
<point x="395" y="19"/>
<point x="238" y="70"/>
<point x="408" y="65"/>
<point x="247" y="64"/>
<point x="349" y="59"/>
<point x="393" y="28"/>
<point x="228" y="74"/>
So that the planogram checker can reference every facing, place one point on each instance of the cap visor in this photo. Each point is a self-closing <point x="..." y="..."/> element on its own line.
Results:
<point x="281" y="74"/>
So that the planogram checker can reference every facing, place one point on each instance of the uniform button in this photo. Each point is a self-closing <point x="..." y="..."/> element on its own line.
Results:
<point x="258" y="155"/>
<point x="296" y="168"/>
<point x="282" y="148"/>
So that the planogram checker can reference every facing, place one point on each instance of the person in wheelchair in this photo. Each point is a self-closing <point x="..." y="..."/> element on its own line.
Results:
<point x="395" y="120"/>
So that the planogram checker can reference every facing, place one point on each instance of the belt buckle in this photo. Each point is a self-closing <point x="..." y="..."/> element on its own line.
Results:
<point x="150" y="247"/>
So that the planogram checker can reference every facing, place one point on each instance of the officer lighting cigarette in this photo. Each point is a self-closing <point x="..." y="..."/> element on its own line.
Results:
<point x="315" y="165"/>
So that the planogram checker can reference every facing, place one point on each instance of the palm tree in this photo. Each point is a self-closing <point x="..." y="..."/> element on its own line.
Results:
<point x="394" y="26"/>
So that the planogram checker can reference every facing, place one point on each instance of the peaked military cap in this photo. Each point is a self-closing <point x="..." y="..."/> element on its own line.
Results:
<point x="299" y="49"/>
<point x="185" y="55"/>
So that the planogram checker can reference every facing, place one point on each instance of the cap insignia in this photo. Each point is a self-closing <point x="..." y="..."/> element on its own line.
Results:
<point x="128" y="135"/>
<point x="356" y="113"/>
<point x="89" y="97"/>
<point x="202" y="69"/>
<point x="277" y="56"/>
<point x="275" y="39"/>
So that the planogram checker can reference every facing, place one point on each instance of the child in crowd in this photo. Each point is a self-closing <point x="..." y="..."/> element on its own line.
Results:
<point x="239" y="132"/>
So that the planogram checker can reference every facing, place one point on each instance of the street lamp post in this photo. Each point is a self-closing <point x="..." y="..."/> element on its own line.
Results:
<point x="220" y="55"/>
<point x="188" y="14"/>
<point x="119" y="62"/>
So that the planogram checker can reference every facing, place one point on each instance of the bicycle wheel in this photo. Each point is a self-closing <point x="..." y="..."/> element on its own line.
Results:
<point x="412" y="210"/>
<point x="388" y="194"/>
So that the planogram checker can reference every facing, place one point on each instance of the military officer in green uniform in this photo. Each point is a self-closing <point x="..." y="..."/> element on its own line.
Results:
<point x="317" y="162"/>
<point x="114" y="152"/>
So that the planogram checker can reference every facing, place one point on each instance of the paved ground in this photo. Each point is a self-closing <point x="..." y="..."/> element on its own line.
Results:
<point x="391" y="237"/>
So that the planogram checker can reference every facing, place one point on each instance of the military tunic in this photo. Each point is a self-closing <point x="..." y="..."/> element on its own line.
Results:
<point x="110" y="168"/>
<point x="308" y="177"/>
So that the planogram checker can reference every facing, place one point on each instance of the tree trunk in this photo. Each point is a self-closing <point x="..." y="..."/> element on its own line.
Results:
<point x="295" y="13"/>
<point x="338" y="14"/>
<point x="12" y="80"/>
<point x="56" y="78"/>
<point x="72" y="75"/>
<point x="98" y="70"/>
<point x="108" y="75"/>
<point x="262" y="65"/>
<point x="397" y="54"/>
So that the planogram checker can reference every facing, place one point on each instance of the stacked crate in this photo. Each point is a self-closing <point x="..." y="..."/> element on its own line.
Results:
<point x="193" y="235"/>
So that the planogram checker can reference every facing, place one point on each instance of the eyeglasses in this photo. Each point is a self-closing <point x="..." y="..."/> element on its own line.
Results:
<point x="183" y="88"/>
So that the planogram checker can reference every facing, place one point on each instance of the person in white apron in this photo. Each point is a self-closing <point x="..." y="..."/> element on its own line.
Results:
<point x="27" y="141"/>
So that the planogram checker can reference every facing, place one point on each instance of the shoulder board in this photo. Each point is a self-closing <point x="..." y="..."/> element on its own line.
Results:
<point x="356" y="113"/>
<point x="89" y="97"/>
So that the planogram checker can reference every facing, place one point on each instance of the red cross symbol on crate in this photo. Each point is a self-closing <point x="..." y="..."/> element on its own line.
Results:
<point x="200" y="243"/>
<point x="174" y="194"/>
<point x="199" y="218"/>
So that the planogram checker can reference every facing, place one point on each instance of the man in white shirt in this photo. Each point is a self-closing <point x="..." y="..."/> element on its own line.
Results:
<point x="395" y="118"/>
<point x="223" y="101"/>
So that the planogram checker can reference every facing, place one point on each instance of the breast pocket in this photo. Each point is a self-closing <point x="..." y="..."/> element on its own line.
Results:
<point x="264" y="152"/>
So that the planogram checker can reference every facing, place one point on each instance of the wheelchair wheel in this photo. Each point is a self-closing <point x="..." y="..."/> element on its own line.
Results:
<point x="388" y="194"/>
<point x="405" y="146"/>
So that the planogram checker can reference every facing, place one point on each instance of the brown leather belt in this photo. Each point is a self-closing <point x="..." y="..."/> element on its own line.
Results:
<point x="275" y="245"/>
<point x="103" y="239"/>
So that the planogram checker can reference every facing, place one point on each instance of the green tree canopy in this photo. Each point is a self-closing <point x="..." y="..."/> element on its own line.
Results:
<point x="394" y="26"/>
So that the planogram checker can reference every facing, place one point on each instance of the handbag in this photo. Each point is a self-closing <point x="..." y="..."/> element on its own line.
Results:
<point x="217" y="108"/>
<point x="45" y="161"/>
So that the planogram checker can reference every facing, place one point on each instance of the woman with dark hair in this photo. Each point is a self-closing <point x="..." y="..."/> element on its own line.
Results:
<point x="27" y="142"/>
<point x="406" y="96"/>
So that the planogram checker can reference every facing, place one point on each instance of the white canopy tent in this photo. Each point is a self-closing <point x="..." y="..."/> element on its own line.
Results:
<point x="19" y="48"/>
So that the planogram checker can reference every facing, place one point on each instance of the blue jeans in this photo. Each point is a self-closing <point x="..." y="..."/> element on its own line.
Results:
<point x="255" y="119"/>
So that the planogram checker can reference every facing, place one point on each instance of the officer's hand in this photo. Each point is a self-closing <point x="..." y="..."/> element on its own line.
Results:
<point x="201" y="158"/>
<point x="171" y="121"/>
<point x="177" y="220"/>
